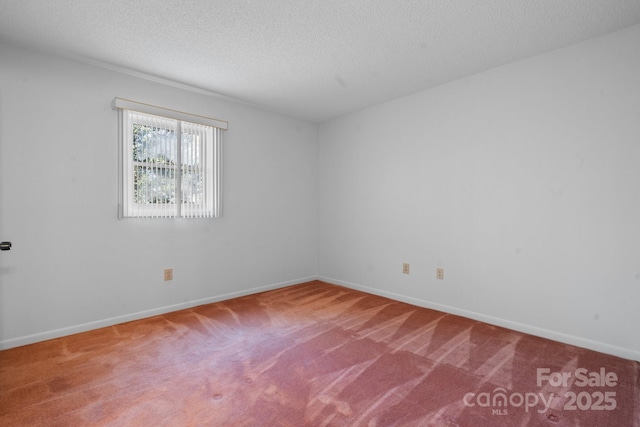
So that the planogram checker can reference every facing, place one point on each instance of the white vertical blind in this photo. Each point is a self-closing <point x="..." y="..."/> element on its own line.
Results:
<point x="170" y="168"/>
<point x="198" y="165"/>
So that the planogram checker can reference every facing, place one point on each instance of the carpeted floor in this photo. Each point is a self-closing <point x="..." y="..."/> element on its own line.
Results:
<point x="313" y="355"/>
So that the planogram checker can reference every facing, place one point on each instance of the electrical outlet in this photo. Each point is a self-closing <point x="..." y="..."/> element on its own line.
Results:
<point x="405" y="268"/>
<point x="168" y="274"/>
<point x="440" y="273"/>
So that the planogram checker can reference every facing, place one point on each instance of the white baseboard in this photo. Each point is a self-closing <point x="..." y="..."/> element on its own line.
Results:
<point x="625" y="353"/>
<point x="84" y="327"/>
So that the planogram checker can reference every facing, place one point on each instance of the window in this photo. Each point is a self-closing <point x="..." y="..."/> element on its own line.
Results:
<point x="171" y="165"/>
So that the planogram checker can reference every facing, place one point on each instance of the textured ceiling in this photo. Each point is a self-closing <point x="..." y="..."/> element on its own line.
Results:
<point x="305" y="58"/>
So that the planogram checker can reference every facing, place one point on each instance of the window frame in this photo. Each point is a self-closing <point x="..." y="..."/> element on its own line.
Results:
<point x="185" y="122"/>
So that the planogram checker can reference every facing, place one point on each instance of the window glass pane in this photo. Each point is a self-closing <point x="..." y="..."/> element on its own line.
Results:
<point x="192" y="187"/>
<point x="191" y="149"/>
<point x="154" y="184"/>
<point x="154" y="144"/>
<point x="154" y="157"/>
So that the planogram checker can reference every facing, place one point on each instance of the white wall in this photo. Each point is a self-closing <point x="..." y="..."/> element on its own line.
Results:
<point x="522" y="182"/>
<point x="74" y="265"/>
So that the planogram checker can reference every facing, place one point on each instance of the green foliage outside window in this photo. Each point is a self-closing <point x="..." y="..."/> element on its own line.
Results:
<point x="154" y="171"/>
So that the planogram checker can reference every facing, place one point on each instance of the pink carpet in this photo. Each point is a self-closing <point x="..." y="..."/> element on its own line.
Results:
<point x="313" y="355"/>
